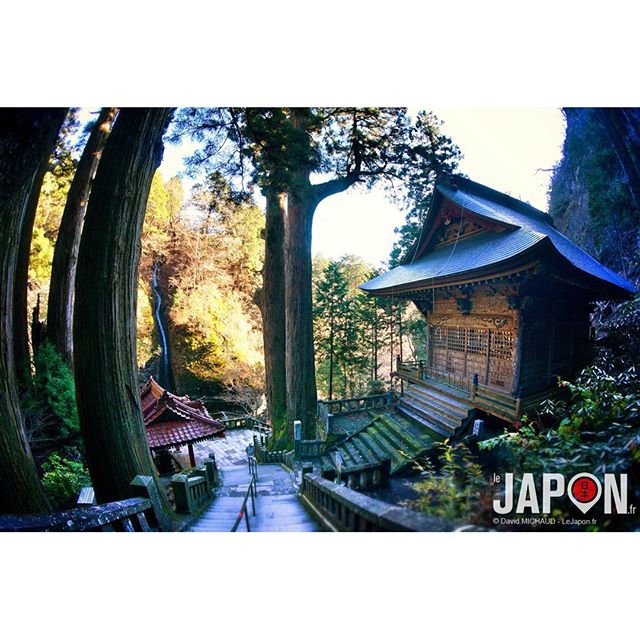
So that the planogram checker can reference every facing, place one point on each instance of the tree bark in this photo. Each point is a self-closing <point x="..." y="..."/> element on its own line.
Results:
<point x="300" y="364"/>
<point x="303" y="200"/>
<point x="65" y="256"/>
<point x="27" y="137"/>
<point x="271" y="302"/>
<point x="104" y="336"/>
<point x="20" y="307"/>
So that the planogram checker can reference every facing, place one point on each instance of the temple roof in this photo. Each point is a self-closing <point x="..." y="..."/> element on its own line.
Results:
<point x="520" y="233"/>
<point x="173" y="420"/>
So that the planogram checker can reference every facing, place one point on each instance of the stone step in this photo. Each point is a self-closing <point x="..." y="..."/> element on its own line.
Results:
<point x="402" y="454"/>
<point x="352" y="452"/>
<point x="367" y="441"/>
<point x="278" y="507"/>
<point x="385" y="444"/>
<point x="365" y="450"/>
<point x="412" y="440"/>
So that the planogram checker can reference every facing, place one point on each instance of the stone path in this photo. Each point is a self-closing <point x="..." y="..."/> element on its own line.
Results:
<point x="229" y="451"/>
<point x="278" y="507"/>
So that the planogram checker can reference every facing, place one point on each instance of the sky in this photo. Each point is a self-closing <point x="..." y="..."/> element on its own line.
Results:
<point x="512" y="150"/>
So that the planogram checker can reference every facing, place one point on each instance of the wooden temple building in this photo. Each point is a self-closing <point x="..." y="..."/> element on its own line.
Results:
<point x="506" y="299"/>
<point x="175" y="421"/>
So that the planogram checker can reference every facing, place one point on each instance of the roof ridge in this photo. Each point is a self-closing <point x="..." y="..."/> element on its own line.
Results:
<point x="458" y="182"/>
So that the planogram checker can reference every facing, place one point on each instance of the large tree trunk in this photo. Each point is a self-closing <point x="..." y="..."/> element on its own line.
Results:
<point x="104" y="336"/>
<point x="65" y="256"/>
<point x="302" y="203"/>
<point x="21" y="286"/>
<point x="27" y="137"/>
<point x="301" y="374"/>
<point x="271" y="301"/>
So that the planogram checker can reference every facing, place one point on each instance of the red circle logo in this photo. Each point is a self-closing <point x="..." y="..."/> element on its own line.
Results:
<point x="584" y="489"/>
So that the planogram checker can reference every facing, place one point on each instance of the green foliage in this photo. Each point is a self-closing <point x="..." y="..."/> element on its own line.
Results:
<point x="345" y="333"/>
<point x="457" y="489"/>
<point x="209" y="255"/>
<point x="53" y="196"/>
<point x="620" y="341"/>
<point x="430" y="154"/>
<point x="64" y="476"/>
<point x="54" y="382"/>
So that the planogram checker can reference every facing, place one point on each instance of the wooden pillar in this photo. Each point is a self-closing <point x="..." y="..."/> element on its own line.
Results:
<point x="192" y="457"/>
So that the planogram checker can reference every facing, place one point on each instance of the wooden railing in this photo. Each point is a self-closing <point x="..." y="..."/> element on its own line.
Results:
<point x="348" y="510"/>
<point x="484" y="397"/>
<point x="344" y="406"/>
<point x="132" y="514"/>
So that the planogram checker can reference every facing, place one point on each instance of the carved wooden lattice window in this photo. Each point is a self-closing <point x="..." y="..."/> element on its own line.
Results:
<point x="440" y="337"/>
<point x="501" y="358"/>
<point x="477" y="341"/>
<point x="502" y="345"/>
<point x="456" y="339"/>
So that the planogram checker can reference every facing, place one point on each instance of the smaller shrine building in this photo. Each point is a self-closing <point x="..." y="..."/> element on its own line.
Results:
<point x="173" y="421"/>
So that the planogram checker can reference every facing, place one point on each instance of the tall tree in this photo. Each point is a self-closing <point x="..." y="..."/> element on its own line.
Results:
<point x="60" y="159"/>
<point x="65" y="257"/>
<point x="354" y="146"/>
<point x="27" y="137"/>
<point x="331" y="311"/>
<point x="271" y="302"/>
<point x="104" y="337"/>
<point x="252" y="143"/>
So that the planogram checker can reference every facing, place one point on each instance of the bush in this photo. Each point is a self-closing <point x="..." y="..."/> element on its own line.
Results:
<point x="458" y="490"/>
<point x="54" y="382"/>
<point x="64" y="476"/>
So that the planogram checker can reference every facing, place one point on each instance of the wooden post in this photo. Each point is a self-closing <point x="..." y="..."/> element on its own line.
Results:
<point x="192" y="457"/>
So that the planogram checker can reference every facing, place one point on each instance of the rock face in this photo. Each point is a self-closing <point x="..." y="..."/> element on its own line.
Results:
<point x="592" y="197"/>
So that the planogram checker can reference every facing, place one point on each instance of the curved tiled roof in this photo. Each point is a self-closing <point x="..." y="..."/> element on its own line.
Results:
<point x="525" y="228"/>
<point x="173" y="420"/>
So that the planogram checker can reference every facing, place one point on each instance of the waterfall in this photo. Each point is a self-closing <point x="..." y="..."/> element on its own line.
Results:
<point x="164" y="375"/>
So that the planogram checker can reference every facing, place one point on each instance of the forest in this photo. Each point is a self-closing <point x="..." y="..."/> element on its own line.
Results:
<point x="112" y="272"/>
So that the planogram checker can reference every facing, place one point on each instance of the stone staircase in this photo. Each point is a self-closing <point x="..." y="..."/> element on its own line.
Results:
<point x="387" y="436"/>
<point x="278" y="507"/>
<point x="436" y="406"/>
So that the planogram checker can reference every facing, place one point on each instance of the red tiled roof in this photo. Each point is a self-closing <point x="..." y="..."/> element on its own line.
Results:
<point x="175" y="420"/>
<point x="177" y="433"/>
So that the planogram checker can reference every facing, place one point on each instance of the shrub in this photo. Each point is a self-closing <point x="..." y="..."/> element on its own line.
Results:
<point x="457" y="490"/>
<point x="54" y="382"/>
<point x="64" y="476"/>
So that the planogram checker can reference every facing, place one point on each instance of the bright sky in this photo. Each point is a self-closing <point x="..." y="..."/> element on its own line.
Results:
<point x="512" y="150"/>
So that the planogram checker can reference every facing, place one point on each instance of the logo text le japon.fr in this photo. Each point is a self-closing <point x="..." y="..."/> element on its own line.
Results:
<point x="583" y="489"/>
